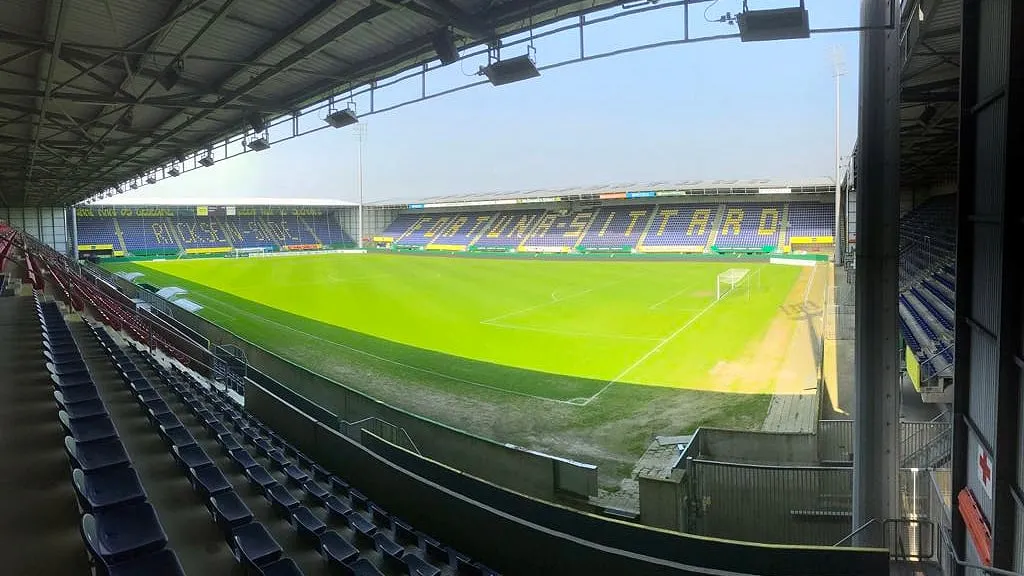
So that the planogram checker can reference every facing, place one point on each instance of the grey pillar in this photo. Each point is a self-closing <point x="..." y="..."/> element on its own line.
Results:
<point x="72" y="235"/>
<point x="876" y="424"/>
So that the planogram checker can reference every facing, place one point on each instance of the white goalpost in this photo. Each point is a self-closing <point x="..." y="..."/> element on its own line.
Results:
<point x="736" y="278"/>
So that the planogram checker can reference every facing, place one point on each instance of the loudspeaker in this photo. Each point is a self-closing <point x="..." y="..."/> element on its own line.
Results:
<point x="444" y="45"/>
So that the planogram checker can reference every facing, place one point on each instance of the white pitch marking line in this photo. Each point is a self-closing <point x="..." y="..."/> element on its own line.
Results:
<point x="650" y="352"/>
<point x="389" y="360"/>
<point x="554" y="301"/>
<point x="674" y="294"/>
<point x="570" y="332"/>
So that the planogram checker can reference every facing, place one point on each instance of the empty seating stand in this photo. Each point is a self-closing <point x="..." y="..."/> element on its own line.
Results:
<point x="119" y="527"/>
<point x="277" y="510"/>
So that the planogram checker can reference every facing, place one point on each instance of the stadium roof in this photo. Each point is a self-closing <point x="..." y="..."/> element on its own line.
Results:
<point x="611" y="191"/>
<point x="223" y="201"/>
<point x="930" y="86"/>
<point x="94" y="93"/>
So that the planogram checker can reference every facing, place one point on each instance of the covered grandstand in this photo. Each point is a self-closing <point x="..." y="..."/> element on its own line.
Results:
<point x="130" y="446"/>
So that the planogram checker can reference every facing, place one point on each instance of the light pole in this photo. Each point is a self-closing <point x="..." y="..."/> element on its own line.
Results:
<point x="838" y="70"/>
<point x="360" y="130"/>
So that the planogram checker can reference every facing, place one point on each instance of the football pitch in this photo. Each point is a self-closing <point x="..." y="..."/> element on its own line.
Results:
<point x="498" y="346"/>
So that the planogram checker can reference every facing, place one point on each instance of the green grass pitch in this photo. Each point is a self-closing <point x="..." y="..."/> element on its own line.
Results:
<point x="581" y="358"/>
<point x="584" y="324"/>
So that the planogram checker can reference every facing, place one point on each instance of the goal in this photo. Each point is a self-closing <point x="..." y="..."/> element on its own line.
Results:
<point x="735" y="279"/>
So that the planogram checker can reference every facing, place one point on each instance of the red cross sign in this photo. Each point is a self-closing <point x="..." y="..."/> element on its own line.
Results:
<point x="985" y="471"/>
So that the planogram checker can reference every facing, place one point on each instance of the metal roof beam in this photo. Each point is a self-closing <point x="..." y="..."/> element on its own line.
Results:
<point x="55" y="17"/>
<point x="177" y="102"/>
<point x="446" y="13"/>
<point x="342" y="28"/>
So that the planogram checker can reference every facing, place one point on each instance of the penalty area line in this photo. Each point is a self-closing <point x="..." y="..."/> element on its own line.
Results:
<point x="572" y="402"/>
<point x="652" y="351"/>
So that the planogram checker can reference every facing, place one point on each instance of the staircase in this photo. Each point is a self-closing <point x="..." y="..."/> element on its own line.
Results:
<point x="174" y="234"/>
<point x="120" y="236"/>
<point x="226" y="232"/>
<point x="311" y="231"/>
<point x="586" y="229"/>
<point x="529" y="233"/>
<point x="647" y="228"/>
<point x="784" y="229"/>
<point x="483" y="230"/>
<point x="713" y="237"/>
<point x="933" y="454"/>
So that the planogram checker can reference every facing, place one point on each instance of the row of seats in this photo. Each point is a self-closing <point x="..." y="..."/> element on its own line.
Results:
<point x="207" y="480"/>
<point x="119" y="527"/>
<point x="306" y="495"/>
<point x="749" y="225"/>
<point x="927" y="282"/>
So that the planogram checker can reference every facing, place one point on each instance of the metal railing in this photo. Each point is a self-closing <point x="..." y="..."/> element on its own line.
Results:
<point x="950" y="551"/>
<point x="382" y="428"/>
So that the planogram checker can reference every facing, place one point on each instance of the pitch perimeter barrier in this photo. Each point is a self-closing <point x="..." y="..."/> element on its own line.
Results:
<point x="521" y="470"/>
<point x="516" y="534"/>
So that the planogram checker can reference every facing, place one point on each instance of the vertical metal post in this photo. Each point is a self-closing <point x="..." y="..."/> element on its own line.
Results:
<point x="74" y="233"/>
<point x="837" y="73"/>
<point x="876" y="423"/>
<point x="361" y="134"/>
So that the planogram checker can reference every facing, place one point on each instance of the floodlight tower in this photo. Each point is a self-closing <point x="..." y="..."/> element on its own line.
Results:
<point x="360" y="130"/>
<point x="838" y="70"/>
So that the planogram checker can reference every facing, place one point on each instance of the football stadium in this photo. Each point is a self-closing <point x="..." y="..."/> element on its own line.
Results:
<point x="799" y="376"/>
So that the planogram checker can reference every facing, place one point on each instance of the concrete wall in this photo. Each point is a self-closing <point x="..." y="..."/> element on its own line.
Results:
<point x="758" y="447"/>
<point x="520" y="535"/>
<point x="662" y="501"/>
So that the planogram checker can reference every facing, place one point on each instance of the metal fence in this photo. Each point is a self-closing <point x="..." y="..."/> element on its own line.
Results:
<point x="772" y="504"/>
<point x="922" y="444"/>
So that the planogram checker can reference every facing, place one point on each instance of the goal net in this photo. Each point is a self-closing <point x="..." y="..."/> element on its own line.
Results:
<point x="735" y="279"/>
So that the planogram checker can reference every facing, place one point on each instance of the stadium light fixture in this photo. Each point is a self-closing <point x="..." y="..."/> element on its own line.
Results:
<point x="773" y="24"/>
<point x="342" y="118"/>
<point x="258" y="144"/>
<point x="151" y="179"/>
<point x="509" y="70"/>
<point x="207" y="160"/>
<point x="134" y="184"/>
<point x="174" y="172"/>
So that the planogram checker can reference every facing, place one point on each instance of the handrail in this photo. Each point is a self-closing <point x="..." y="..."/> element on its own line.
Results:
<point x="368" y="418"/>
<point x="953" y="556"/>
<point x="855" y="532"/>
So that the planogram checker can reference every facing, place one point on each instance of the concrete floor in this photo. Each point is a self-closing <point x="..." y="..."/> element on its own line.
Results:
<point x="39" y="517"/>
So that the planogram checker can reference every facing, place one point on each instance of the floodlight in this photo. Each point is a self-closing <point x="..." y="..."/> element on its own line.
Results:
<point x="444" y="46"/>
<point x="170" y="75"/>
<point x="134" y="184"/>
<point x="174" y="172"/>
<point x="510" y="70"/>
<point x="773" y="24"/>
<point x="256" y="122"/>
<point x="258" y="144"/>
<point x="206" y="160"/>
<point x="341" y="118"/>
<point x="151" y="179"/>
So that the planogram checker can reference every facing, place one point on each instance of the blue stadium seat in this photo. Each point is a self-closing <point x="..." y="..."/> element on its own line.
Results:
<point x="337" y="508"/>
<point x="243" y="459"/>
<point x="253" y="545"/>
<point x="229" y="511"/>
<point x="295" y="474"/>
<point x="316" y="492"/>
<point x="337" y="551"/>
<point x="107" y="487"/>
<point x="177" y="436"/>
<point x="191" y="456"/>
<point x="161" y="563"/>
<point x="89" y="430"/>
<point x="208" y="480"/>
<point x="95" y="455"/>
<point x="117" y="534"/>
<point x="420" y="567"/>
<point x="307" y="525"/>
<point x="280" y="567"/>
<point x="281" y="500"/>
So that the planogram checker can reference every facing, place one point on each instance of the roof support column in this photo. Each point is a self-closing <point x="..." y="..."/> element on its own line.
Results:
<point x="876" y="424"/>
